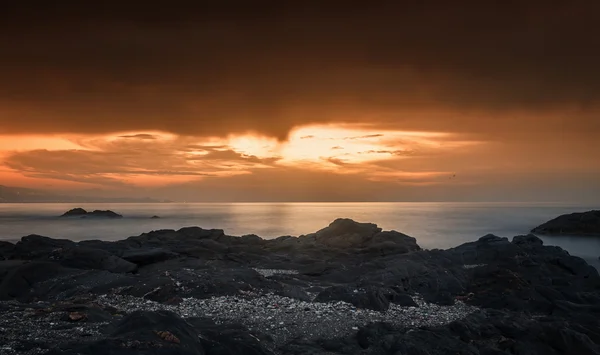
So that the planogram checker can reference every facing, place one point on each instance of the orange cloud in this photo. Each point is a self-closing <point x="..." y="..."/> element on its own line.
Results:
<point x="157" y="159"/>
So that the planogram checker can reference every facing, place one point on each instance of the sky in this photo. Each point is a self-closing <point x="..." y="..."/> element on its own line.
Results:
<point x="302" y="100"/>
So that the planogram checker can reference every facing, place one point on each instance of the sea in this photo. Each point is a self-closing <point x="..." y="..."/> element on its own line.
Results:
<point x="434" y="224"/>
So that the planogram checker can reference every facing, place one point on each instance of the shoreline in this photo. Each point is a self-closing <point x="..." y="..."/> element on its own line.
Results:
<point x="345" y="289"/>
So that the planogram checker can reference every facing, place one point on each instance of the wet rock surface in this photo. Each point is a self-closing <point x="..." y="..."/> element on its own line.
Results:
<point x="350" y="288"/>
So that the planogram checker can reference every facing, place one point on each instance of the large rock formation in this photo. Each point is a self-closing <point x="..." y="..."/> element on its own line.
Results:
<point x="582" y="223"/>
<point x="346" y="233"/>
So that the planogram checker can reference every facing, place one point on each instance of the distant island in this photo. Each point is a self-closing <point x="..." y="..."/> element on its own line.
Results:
<point x="580" y="223"/>
<point x="81" y="213"/>
<point x="23" y="195"/>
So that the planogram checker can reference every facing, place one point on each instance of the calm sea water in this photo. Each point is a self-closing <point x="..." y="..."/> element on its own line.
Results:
<point x="435" y="225"/>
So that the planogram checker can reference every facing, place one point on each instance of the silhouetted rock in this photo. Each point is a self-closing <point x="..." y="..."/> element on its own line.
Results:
<point x="18" y="277"/>
<point x="148" y="256"/>
<point x="81" y="213"/>
<point x="154" y="217"/>
<point x="6" y="250"/>
<point x="528" y="239"/>
<point x="36" y="246"/>
<point x="94" y="259"/>
<point x="75" y="212"/>
<point x="346" y="233"/>
<point x="581" y="223"/>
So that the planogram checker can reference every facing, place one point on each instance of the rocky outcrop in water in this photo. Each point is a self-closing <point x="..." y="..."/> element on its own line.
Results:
<point x="581" y="223"/>
<point x="81" y="213"/>
<point x="349" y="288"/>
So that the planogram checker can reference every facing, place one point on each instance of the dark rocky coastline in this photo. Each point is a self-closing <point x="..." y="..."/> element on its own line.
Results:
<point x="580" y="223"/>
<point x="350" y="288"/>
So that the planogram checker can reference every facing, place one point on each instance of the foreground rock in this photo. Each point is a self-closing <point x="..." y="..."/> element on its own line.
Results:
<point x="81" y="213"/>
<point x="582" y="223"/>
<point x="349" y="288"/>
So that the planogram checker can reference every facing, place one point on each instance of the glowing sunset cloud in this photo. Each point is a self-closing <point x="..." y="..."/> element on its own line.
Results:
<point x="347" y="144"/>
<point x="253" y="145"/>
<point x="154" y="158"/>
<point x="30" y="142"/>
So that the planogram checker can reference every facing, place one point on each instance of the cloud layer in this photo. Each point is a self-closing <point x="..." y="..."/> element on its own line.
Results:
<point x="303" y="100"/>
<point x="141" y="159"/>
<point x="216" y="69"/>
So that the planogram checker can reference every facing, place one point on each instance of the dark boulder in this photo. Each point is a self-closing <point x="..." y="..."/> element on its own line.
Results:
<point x="148" y="256"/>
<point x="95" y="259"/>
<point x="6" y="250"/>
<point x="373" y="334"/>
<point x="388" y="243"/>
<point x="251" y="239"/>
<point x="36" y="246"/>
<point x="19" y="277"/>
<point x="400" y="298"/>
<point x="230" y="339"/>
<point x="581" y="223"/>
<point x="492" y="239"/>
<point x="527" y="240"/>
<point x="345" y="233"/>
<point x="144" y="333"/>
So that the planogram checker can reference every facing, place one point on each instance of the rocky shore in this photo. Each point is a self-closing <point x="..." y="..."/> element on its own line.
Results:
<point x="349" y="288"/>
<point x="579" y="223"/>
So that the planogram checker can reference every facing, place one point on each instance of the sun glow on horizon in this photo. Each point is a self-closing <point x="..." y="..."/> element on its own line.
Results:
<point x="153" y="158"/>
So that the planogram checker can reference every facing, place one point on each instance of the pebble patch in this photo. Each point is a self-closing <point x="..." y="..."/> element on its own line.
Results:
<point x="285" y="318"/>
<point x="280" y="317"/>
<point x="271" y="272"/>
<point x="20" y="325"/>
<point x="472" y="266"/>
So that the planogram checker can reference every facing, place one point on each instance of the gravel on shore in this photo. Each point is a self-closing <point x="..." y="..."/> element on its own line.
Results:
<point x="286" y="318"/>
<point x="22" y="324"/>
<point x="271" y="272"/>
<point x="280" y="317"/>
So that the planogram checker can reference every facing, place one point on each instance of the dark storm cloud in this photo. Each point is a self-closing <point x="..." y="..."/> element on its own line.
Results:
<point x="221" y="67"/>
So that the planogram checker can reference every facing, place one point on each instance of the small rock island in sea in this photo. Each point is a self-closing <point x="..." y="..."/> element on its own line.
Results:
<point x="350" y="288"/>
<point x="81" y="213"/>
<point x="580" y="223"/>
